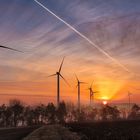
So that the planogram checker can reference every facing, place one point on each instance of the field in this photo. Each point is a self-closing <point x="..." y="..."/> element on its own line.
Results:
<point x="15" y="133"/>
<point x="121" y="130"/>
<point x="52" y="132"/>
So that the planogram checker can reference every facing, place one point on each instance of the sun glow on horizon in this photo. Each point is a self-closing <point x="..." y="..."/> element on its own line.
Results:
<point x="109" y="88"/>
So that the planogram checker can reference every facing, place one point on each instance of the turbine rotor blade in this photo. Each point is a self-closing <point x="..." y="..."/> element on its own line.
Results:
<point x="96" y="92"/>
<point x="61" y="65"/>
<point x="52" y="75"/>
<point x="83" y="83"/>
<point x="9" y="48"/>
<point x="64" y="79"/>
<point x="91" y="84"/>
<point x="76" y="78"/>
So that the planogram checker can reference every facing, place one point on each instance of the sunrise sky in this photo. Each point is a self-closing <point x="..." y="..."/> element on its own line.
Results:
<point x="113" y="25"/>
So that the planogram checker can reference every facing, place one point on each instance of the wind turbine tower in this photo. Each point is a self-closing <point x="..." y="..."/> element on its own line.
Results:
<point x="79" y="92"/>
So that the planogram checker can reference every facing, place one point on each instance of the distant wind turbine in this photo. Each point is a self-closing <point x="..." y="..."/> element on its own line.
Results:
<point x="91" y="93"/>
<point x="58" y="74"/>
<point x="78" y="85"/>
<point x="5" y="47"/>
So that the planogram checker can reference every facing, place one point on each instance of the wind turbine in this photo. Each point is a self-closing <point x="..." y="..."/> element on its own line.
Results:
<point x="58" y="75"/>
<point x="78" y="85"/>
<point x="91" y="93"/>
<point x="4" y="47"/>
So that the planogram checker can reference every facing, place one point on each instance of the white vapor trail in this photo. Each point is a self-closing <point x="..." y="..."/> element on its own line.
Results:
<point x="84" y="37"/>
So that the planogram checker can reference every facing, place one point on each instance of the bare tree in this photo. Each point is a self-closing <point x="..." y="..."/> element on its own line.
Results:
<point x="51" y="113"/>
<point x="17" y="109"/>
<point x="61" y="112"/>
<point x="134" y="114"/>
<point x="109" y="113"/>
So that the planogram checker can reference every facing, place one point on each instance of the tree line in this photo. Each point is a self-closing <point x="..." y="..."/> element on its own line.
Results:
<point x="17" y="114"/>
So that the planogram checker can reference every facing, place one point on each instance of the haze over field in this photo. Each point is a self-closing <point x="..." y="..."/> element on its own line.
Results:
<point x="113" y="25"/>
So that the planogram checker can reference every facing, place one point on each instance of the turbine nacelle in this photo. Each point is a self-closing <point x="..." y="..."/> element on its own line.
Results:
<point x="78" y="81"/>
<point x="57" y="73"/>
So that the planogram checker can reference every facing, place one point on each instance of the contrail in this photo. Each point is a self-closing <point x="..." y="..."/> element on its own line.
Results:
<point x="84" y="37"/>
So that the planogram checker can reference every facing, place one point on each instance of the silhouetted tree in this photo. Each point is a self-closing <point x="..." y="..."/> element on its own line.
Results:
<point x="16" y="108"/>
<point x="2" y="115"/>
<point x="70" y="109"/>
<point x="39" y="112"/>
<point x="28" y="116"/>
<point x="134" y="114"/>
<point x="16" y="113"/>
<point x="50" y="112"/>
<point x="8" y="115"/>
<point x="110" y="113"/>
<point x="104" y="113"/>
<point x="61" y="112"/>
<point x="81" y="116"/>
<point x="75" y="114"/>
<point x="42" y="113"/>
<point x="92" y="114"/>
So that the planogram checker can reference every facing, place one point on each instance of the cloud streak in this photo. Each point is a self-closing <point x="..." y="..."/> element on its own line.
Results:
<point x="84" y="37"/>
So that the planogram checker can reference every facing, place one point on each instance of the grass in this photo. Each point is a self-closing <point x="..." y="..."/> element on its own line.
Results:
<point x="53" y="132"/>
<point x="16" y="133"/>
<point x="121" y="130"/>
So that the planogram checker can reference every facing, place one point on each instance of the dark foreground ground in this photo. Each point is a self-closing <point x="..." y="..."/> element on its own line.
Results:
<point x="121" y="130"/>
<point x="15" y="133"/>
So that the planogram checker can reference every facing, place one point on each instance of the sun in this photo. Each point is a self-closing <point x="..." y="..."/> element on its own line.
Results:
<point x="104" y="102"/>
